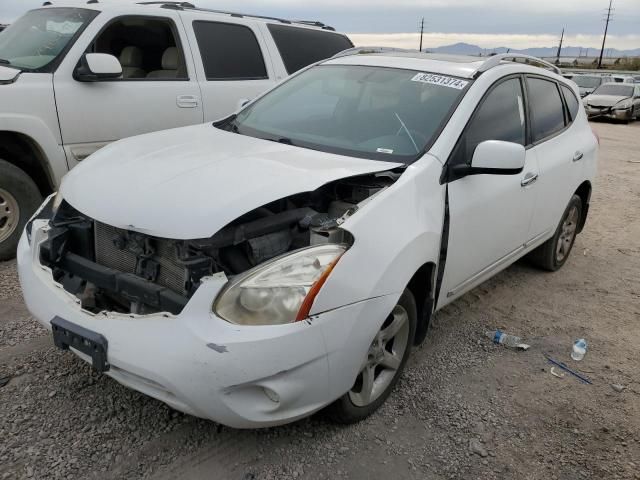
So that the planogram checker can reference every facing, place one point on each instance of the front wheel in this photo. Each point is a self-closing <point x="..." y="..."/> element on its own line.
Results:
<point x="553" y="253"/>
<point x="19" y="198"/>
<point x="382" y="366"/>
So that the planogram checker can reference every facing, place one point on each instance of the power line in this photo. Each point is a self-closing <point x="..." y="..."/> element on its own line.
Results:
<point x="560" y="47"/>
<point x="606" y="28"/>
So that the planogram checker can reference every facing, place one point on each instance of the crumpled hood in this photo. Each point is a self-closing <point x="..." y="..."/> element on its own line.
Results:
<point x="188" y="183"/>
<point x="8" y="74"/>
<point x="604" y="100"/>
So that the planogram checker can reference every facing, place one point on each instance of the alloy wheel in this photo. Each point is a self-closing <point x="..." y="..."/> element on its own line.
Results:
<point x="383" y="360"/>
<point x="9" y="214"/>
<point x="567" y="234"/>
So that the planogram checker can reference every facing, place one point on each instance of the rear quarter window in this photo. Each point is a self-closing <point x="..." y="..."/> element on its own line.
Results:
<point x="229" y="51"/>
<point x="545" y="104"/>
<point x="572" y="102"/>
<point x="300" y="47"/>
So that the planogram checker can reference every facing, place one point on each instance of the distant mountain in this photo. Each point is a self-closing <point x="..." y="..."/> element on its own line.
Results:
<point x="468" y="49"/>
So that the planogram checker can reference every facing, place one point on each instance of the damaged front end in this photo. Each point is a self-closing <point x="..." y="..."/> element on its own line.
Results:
<point x="111" y="269"/>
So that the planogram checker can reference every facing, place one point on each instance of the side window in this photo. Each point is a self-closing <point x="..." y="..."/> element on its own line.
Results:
<point x="500" y="116"/>
<point x="147" y="47"/>
<point x="547" y="113"/>
<point x="229" y="51"/>
<point x="300" y="47"/>
<point x="572" y="102"/>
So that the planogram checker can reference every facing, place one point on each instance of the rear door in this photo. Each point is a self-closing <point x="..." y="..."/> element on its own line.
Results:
<point x="159" y="90"/>
<point x="562" y="146"/>
<point x="489" y="215"/>
<point x="232" y="61"/>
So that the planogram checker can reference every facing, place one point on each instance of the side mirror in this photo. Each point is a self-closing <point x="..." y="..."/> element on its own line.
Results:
<point x="494" y="157"/>
<point x="98" y="66"/>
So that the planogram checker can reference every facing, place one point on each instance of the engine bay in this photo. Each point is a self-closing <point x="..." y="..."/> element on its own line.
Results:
<point x="115" y="270"/>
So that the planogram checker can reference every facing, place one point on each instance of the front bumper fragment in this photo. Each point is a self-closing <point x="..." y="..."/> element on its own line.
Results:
<point x="202" y="365"/>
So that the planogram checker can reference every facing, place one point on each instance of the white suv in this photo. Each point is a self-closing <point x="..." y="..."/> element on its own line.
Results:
<point x="74" y="78"/>
<point x="285" y="259"/>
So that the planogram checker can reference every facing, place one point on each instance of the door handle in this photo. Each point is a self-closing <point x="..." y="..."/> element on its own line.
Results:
<point x="578" y="156"/>
<point x="187" y="101"/>
<point x="529" y="179"/>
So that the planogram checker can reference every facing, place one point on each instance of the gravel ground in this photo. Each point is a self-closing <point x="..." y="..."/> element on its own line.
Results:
<point x="16" y="325"/>
<point x="464" y="408"/>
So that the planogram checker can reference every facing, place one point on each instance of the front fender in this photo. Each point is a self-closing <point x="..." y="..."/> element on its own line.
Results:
<point x="39" y="134"/>
<point x="395" y="233"/>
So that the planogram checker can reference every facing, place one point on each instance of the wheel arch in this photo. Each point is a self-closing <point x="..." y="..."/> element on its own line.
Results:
<point x="25" y="153"/>
<point x="584" y="192"/>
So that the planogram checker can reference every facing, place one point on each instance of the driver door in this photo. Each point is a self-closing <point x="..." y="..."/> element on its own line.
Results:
<point x="489" y="214"/>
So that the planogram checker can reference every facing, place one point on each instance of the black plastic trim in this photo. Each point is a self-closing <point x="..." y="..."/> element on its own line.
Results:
<point x="128" y="285"/>
<point x="67" y="334"/>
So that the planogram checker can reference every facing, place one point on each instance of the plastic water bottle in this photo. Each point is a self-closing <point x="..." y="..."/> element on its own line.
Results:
<point x="579" y="349"/>
<point x="502" y="338"/>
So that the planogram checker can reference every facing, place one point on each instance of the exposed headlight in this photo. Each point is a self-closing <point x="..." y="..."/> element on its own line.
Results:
<point x="623" y="105"/>
<point x="281" y="291"/>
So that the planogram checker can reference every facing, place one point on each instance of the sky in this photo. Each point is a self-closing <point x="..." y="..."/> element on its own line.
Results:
<point x="487" y="23"/>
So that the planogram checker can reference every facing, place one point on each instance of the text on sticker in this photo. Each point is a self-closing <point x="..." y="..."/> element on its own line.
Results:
<point x="440" y="80"/>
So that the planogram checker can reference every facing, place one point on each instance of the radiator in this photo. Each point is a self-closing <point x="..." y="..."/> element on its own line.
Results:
<point x="171" y="273"/>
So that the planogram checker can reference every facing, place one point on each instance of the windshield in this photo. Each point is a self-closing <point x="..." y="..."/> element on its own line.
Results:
<point x="36" y="39"/>
<point x="586" y="81"/>
<point x="616" y="90"/>
<point x="367" y="112"/>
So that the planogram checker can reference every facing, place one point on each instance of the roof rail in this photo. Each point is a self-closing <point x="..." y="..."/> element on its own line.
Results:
<point x="314" y="23"/>
<point x="190" y="6"/>
<point x="496" y="60"/>
<point x="370" y="50"/>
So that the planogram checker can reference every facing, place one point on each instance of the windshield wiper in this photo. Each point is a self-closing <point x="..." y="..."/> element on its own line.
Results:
<point x="284" y="140"/>
<point x="4" y="62"/>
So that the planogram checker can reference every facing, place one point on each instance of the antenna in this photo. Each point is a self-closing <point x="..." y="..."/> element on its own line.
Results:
<point x="560" y="47"/>
<point x="604" y="39"/>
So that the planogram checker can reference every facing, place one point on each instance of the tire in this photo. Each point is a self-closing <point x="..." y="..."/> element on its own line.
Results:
<point x="19" y="198"/>
<point x="356" y="405"/>
<point x="550" y="255"/>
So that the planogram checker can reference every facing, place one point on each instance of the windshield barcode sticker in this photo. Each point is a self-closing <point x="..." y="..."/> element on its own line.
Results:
<point x="440" y="80"/>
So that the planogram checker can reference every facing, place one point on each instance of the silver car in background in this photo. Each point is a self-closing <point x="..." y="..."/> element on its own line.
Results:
<point x="619" y="101"/>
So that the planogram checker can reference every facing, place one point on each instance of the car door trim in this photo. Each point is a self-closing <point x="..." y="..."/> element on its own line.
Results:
<point x="485" y="271"/>
<point x="497" y="264"/>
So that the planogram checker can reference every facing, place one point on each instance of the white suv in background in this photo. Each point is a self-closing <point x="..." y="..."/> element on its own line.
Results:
<point x="76" y="76"/>
<point x="286" y="258"/>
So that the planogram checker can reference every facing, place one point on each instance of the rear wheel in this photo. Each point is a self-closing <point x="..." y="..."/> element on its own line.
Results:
<point x="382" y="366"/>
<point x="19" y="198"/>
<point x="553" y="254"/>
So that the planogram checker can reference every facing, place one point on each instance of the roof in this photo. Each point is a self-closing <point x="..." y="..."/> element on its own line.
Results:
<point x="147" y="5"/>
<point x="456" y="65"/>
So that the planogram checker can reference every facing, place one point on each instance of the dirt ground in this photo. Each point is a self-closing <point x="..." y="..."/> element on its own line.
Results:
<point x="464" y="408"/>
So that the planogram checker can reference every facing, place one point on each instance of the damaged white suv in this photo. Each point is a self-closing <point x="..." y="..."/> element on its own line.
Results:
<point x="286" y="258"/>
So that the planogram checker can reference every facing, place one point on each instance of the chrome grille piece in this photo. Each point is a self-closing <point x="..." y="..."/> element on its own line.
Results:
<point x="171" y="273"/>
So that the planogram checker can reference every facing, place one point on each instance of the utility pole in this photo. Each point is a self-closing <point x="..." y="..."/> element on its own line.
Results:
<point x="560" y="47"/>
<point x="604" y="39"/>
<point x="421" y="32"/>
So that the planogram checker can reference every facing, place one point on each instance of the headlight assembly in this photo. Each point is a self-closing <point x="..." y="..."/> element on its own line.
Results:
<point x="623" y="105"/>
<point x="281" y="291"/>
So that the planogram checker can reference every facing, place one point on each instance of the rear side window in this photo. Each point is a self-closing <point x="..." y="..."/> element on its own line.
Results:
<point x="572" y="102"/>
<point x="229" y="51"/>
<point x="547" y="113"/>
<point x="500" y="117"/>
<point x="300" y="47"/>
